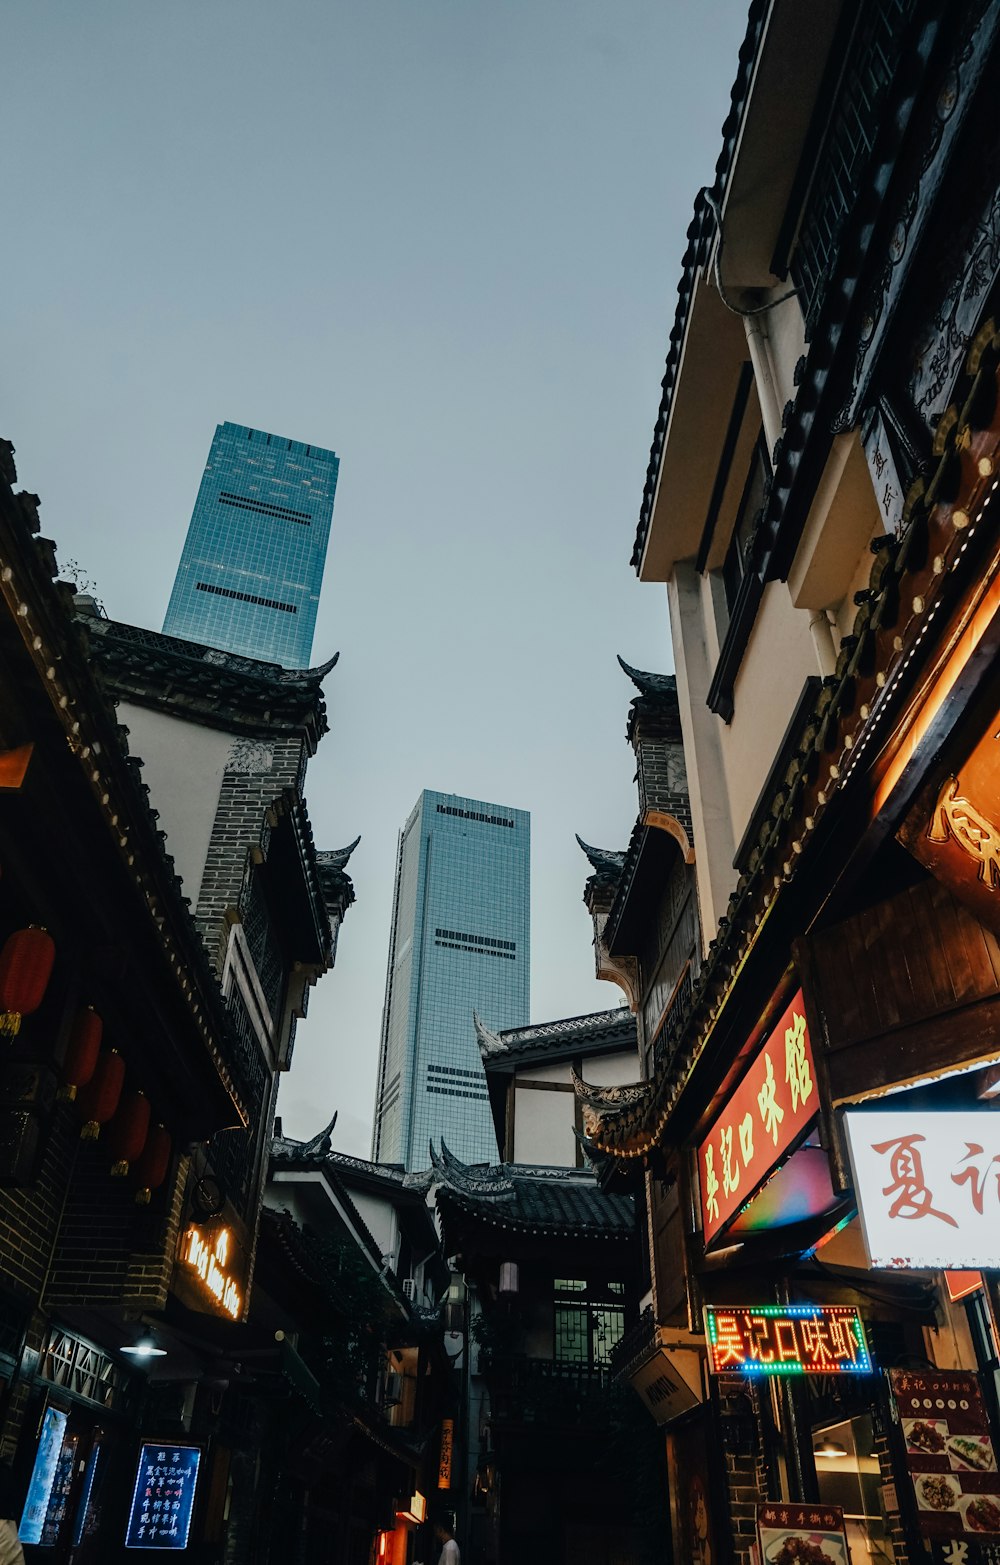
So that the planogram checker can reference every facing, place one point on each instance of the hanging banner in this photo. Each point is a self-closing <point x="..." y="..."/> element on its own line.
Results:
<point x="928" y="1187"/>
<point x="766" y="1115"/>
<point x="949" y="1454"/>
<point x="447" y="1447"/>
<point x="801" y="1534"/>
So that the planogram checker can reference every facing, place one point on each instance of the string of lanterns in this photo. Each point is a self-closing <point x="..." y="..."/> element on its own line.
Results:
<point x="93" y="1078"/>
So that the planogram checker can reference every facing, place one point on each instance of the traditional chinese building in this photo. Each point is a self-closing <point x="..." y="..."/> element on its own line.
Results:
<point x="819" y="505"/>
<point x="149" y="985"/>
<point x="553" y="1273"/>
<point x="346" y="1346"/>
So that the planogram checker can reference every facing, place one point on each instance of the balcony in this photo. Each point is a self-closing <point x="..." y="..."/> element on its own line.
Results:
<point x="637" y="1344"/>
<point x="544" y="1392"/>
<point x="671" y="1028"/>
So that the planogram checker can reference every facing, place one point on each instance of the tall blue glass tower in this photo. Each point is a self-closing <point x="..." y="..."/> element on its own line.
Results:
<point x="252" y="565"/>
<point x="459" y="943"/>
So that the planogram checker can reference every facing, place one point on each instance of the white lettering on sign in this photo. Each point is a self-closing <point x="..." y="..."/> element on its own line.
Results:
<point x="928" y="1187"/>
<point x="208" y="1257"/>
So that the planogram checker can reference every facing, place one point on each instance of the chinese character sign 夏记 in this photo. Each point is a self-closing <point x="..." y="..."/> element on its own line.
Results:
<point x="928" y="1187"/>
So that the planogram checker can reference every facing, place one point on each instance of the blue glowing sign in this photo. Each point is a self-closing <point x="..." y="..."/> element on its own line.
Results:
<point x="163" y="1499"/>
<point x="43" y="1476"/>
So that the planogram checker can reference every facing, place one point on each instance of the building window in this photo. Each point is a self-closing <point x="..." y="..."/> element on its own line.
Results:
<point x="303" y="518"/>
<point x="589" y="1321"/>
<point x="737" y="561"/>
<point x="246" y="597"/>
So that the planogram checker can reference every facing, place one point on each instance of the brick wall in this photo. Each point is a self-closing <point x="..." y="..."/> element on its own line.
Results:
<point x="253" y="779"/>
<point x="746" y="1475"/>
<point x="29" y="1214"/>
<point x="662" y="779"/>
<point x="109" y="1250"/>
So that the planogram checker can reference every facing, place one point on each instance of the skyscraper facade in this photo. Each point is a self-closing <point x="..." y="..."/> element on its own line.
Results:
<point x="252" y="566"/>
<point x="459" y="943"/>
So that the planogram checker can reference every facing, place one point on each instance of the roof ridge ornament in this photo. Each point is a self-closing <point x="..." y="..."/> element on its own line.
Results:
<point x="479" y="1179"/>
<point x="490" y="1043"/>
<point x="605" y="862"/>
<point x="336" y="858"/>
<point x="317" y="1146"/>
<point x="611" y="1098"/>
<point x="656" y="685"/>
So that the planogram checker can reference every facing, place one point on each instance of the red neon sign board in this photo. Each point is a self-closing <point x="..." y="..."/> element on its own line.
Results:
<point x="789" y="1339"/>
<point x="765" y="1116"/>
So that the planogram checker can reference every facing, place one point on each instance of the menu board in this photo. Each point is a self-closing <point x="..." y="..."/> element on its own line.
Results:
<point x="163" y="1498"/>
<point x="949" y="1453"/>
<point x="801" y="1534"/>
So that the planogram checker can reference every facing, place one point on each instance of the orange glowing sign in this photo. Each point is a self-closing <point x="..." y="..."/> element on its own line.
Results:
<point x="208" y="1258"/>
<point x="768" y="1112"/>
<point x="447" y="1447"/>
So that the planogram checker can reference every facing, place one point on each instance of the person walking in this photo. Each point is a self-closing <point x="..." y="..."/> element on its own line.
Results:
<point x="11" y="1552"/>
<point x="444" y="1532"/>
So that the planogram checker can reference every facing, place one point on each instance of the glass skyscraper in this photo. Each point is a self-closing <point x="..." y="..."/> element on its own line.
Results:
<point x="459" y="943"/>
<point x="252" y="565"/>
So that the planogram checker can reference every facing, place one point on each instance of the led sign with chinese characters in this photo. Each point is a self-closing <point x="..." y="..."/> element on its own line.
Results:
<point x="786" y="1339"/>
<point x="928" y="1187"/>
<point x="766" y="1115"/>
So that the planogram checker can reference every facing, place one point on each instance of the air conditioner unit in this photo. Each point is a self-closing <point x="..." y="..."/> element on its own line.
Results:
<point x="393" y="1390"/>
<point x="409" y="1289"/>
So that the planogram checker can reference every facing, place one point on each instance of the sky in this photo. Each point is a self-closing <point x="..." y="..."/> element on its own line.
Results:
<point x="442" y="237"/>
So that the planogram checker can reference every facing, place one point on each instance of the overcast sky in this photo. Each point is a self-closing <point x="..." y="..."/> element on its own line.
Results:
<point x="442" y="237"/>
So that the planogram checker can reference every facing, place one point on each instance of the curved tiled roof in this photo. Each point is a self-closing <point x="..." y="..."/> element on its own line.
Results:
<point x="529" y="1200"/>
<point x="597" y="1030"/>
<point x="221" y="689"/>
<point x="700" y="235"/>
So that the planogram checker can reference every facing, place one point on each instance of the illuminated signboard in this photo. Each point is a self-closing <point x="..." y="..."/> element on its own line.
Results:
<point x="43" y="1476"/>
<point x="447" y="1446"/>
<point x="928" y="1187"/>
<point x="207" y="1255"/>
<point x="768" y="1112"/>
<point x="163" y="1498"/>
<point x="786" y="1339"/>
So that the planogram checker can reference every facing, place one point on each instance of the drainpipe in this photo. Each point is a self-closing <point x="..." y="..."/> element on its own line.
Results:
<point x="763" y="373"/>
<point x="822" y="634"/>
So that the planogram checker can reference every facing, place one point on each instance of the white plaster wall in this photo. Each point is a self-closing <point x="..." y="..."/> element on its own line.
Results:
<point x="182" y="766"/>
<point x="546" y="1073"/>
<point x="380" y="1219"/>
<point x="543" y="1127"/>
<point x="611" y="1070"/>
<point x="778" y="660"/>
<point x="695" y="657"/>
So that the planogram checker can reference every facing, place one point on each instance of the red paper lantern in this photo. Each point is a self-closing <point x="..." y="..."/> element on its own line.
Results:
<point x="126" y="1135"/>
<point x="99" y="1099"/>
<point x="25" y="969"/>
<point x="82" y="1052"/>
<point x="150" y="1169"/>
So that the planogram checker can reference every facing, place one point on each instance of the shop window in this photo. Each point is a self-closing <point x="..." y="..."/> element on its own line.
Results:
<point x="849" y="1475"/>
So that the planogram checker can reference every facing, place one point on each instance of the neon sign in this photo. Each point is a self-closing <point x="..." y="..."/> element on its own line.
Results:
<point x="208" y="1258"/>
<point x="786" y="1339"/>
<point x="766" y="1115"/>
